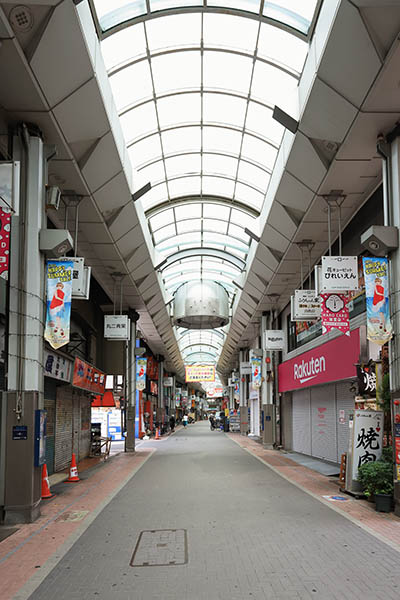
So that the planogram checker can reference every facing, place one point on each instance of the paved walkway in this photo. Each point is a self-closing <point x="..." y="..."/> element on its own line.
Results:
<point x="232" y="528"/>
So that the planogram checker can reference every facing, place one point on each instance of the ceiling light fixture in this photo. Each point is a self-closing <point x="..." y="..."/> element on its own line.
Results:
<point x="252" y="235"/>
<point x="143" y="190"/>
<point x="284" y="119"/>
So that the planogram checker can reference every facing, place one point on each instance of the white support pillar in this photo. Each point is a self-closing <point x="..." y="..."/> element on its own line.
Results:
<point x="244" y="417"/>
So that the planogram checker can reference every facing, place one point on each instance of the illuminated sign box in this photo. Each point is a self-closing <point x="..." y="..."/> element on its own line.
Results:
<point x="199" y="373"/>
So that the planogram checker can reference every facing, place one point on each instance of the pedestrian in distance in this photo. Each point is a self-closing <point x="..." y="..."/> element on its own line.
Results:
<point x="212" y="422"/>
<point x="172" y="422"/>
<point x="185" y="420"/>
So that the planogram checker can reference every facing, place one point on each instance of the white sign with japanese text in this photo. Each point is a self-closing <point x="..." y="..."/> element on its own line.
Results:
<point x="117" y="327"/>
<point x="367" y="440"/>
<point x="339" y="273"/>
<point x="305" y="306"/>
<point x="168" y="381"/>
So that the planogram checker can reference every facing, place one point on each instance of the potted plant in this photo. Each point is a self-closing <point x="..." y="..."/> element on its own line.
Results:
<point x="376" y="479"/>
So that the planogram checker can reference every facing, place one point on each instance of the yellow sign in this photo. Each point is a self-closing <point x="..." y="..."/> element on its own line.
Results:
<point x="398" y="472"/>
<point x="199" y="373"/>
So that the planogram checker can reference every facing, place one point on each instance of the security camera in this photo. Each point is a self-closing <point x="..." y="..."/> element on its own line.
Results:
<point x="380" y="239"/>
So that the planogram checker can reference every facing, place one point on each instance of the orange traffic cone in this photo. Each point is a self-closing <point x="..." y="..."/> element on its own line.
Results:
<point x="73" y="471"/>
<point x="46" y="494"/>
<point x="157" y="434"/>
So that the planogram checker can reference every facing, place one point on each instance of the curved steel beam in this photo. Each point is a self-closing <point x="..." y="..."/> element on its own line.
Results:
<point x="182" y="254"/>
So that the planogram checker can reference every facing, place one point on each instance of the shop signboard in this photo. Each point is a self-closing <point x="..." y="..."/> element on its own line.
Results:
<point x="87" y="377"/>
<point x="117" y="327"/>
<point x="245" y="368"/>
<point x="322" y="364"/>
<point x="199" y="373"/>
<point x="168" y="381"/>
<point x="379" y="327"/>
<point x="59" y="291"/>
<point x="366" y="376"/>
<point x="184" y="393"/>
<point x="274" y="339"/>
<point x="57" y="367"/>
<point x="141" y="365"/>
<point x="305" y="305"/>
<point x="339" y="273"/>
<point x="367" y="438"/>
<point x="335" y="313"/>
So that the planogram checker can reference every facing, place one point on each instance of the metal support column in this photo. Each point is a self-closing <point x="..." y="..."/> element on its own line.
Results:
<point x="244" y="414"/>
<point x="160" y="397"/>
<point x="25" y="383"/>
<point x="131" y="385"/>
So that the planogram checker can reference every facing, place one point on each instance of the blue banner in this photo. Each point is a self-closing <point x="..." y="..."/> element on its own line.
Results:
<point x="59" y="292"/>
<point x="379" y="327"/>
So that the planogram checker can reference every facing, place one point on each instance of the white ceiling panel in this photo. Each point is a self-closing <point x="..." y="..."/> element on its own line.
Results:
<point x="102" y="164"/>
<point x="113" y="194"/>
<point x="305" y="164"/>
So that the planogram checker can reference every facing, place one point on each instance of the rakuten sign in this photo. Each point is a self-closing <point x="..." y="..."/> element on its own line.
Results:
<point x="332" y="361"/>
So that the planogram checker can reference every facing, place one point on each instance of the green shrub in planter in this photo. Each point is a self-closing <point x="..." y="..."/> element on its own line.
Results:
<point x="376" y="478"/>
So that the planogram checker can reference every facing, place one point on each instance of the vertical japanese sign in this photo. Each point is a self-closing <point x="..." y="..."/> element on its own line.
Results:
<point x="367" y="441"/>
<point x="5" y="227"/>
<point x="335" y="313"/>
<point x="59" y="290"/>
<point x="141" y="364"/>
<point x="379" y="327"/>
<point x="255" y="371"/>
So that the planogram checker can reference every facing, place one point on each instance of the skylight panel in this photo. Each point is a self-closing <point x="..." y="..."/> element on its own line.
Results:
<point x="218" y="186"/>
<point x="252" y="174"/>
<point x="181" y="139"/>
<point x="176" y="71"/>
<point x="122" y="10"/>
<point x="225" y="109"/>
<point x="230" y="32"/>
<point x="179" y="108"/>
<point x="214" y="225"/>
<point x="189" y="210"/>
<point x="220" y="164"/>
<point x="259" y="120"/>
<point x="174" y="30"/>
<point x="124" y="45"/>
<point x="132" y="84"/>
<point x="216" y="211"/>
<point x="189" y="225"/>
<point x="291" y="12"/>
<point x="221" y="139"/>
<point x="248" y="5"/>
<point x="161" y="219"/>
<point x="164" y="233"/>
<point x="282" y="46"/>
<point x="145" y="150"/>
<point x="154" y="172"/>
<point x="139" y="121"/>
<point x="184" y="186"/>
<point x="156" y="195"/>
<point x="249" y="195"/>
<point x="258" y="151"/>
<point x="223" y="70"/>
<point x="273" y="86"/>
<point x="183" y="164"/>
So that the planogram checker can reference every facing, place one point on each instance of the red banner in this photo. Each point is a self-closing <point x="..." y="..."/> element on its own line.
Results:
<point x="5" y="226"/>
<point x="88" y="377"/>
<point x="335" y="313"/>
<point x="332" y="361"/>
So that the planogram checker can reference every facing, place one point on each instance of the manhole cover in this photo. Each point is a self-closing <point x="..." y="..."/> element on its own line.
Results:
<point x="162" y="547"/>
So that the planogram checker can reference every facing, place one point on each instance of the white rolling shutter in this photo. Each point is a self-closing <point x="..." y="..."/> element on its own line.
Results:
<point x="301" y="421"/>
<point x="323" y="422"/>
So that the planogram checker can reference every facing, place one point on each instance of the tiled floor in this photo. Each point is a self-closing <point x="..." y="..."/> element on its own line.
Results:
<point x="250" y="532"/>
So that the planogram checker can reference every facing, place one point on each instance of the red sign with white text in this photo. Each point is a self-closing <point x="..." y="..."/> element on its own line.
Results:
<point x="88" y="378"/>
<point x="332" y="361"/>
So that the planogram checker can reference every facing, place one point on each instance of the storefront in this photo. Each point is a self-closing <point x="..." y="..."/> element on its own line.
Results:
<point x="318" y="394"/>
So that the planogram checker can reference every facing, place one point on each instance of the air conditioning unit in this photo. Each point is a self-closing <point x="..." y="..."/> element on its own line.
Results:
<point x="81" y="279"/>
<point x="53" y="197"/>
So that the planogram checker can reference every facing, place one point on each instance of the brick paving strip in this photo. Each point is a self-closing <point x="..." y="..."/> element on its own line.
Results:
<point x="384" y="526"/>
<point x="27" y="556"/>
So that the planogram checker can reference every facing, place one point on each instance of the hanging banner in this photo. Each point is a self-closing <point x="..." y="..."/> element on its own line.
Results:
<point x="199" y="373"/>
<point x="5" y="227"/>
<point x="366" y="378"/>
<point x="335" y="313"/>
<point x="305" y="306"/>
<point x="141" y="364"/>
<point x="87" y="377"/>
<point x="59" y="291"/>
<point x="339" y="273"/>
<point x="255" y="371"/>
<point x="379" y="327"/>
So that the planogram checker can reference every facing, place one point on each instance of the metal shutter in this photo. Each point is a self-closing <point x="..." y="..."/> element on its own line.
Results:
<point x="286" y="421"/>
<point x="86" y="410"/>
<point x="76" y="429"/>
<point x="301" y="421"/>
<point x="344" y="401"/>
<point x="50" y="390"/>
<point x="63" y="439"/>
<point x="323" y="422"/>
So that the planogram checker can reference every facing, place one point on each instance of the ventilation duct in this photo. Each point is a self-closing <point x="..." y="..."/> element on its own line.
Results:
<point x="201" y="305"/>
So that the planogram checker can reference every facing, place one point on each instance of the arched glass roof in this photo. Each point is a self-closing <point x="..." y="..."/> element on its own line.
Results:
<point x="195" y="85"/>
